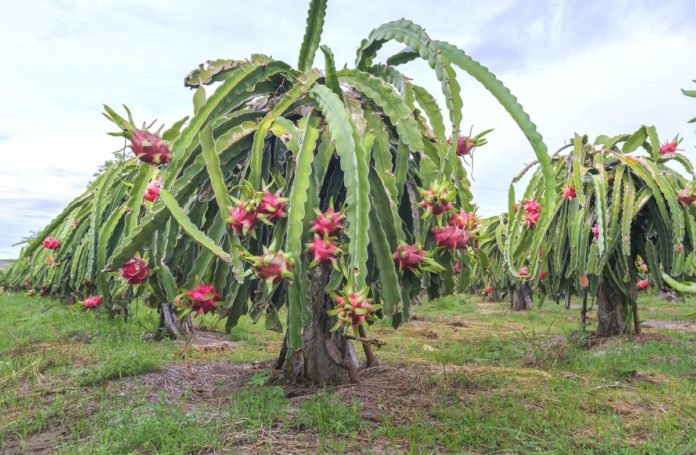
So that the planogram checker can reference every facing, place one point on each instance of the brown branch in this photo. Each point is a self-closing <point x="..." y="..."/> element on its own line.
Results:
<point x="370" y="341"/>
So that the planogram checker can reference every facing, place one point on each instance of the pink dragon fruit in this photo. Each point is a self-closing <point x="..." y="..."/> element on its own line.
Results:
<point x="488" y="291"/>
<point x="153" y="190"/>
<point x="457" y="267"/>
<point x="323" y="250"/>
<point x="91" y="302"/>
<point x="569" y="193"/>
<point x="595" y="231"/>
<point x="451" y="237"/>
<point x="408" y="257"/>
<point x="204" y="298"/>
<point x="464" y="220"/>
<point x="328" y="223"/>
<point x="686" y="197"/>
<point x="353" y="309"/>
<point x="51" y="243"/>
<point x="465" y="145"/>
<point x="437" y="200"/>
<point x="524" y="272"/>
<point x="50" y="261"/>
<point x="150" y="148"/>
<point x="273" y="267"/>
<point x="668" y="148"/>
<point x="272" y="206"/>
<point x="242" y="218"/>
<point x="542" y="275"/>
<point x="135" y="271"/>
<point x="531" y="209"/>
<point x="642" y="284"/>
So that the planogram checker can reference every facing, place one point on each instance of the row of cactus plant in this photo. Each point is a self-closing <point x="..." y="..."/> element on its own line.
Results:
<point x="623" y="221"/>
<point x="238" y="184"/>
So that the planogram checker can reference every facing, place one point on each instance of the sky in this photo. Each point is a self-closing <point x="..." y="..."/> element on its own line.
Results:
<point x="586" y="66"/>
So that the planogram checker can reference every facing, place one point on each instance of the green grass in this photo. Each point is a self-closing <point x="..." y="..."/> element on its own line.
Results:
<point x="488" y="381"/>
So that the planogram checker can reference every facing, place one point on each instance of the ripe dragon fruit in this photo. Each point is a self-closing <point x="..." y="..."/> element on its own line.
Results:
<point x="51" y="243"/>
<point x="242" y="218"/>
<point x="569" y="193"/>
<point x="465" y="145"/>
<point x="451" y="237"/>
<point x="642" y="284"/>
<point x="686" y="197"/>
<point x="488" y="291"/>
<point x="412" y="258"/>
<point x="272" y="206"/>
<point x="91" y="302"/>
<point x="135" y="271"/>
<point x="668" y="147"/>
<point x="153" y="190"/>
<point x="595" y="231"/>
<point x="408" y="257"/>
<point x="524" y="272"/>
<point x="457" y="267"/>
<point x="204" y="298"/>
<point x="352" y="309"/>
<point x="464" y="220"/>
<point x="328" y="223"/>
<point x="437" y="200"/>
<point x="323" y="250"/>
<point x="150" y="148"/>
<point x="272" y="267"/>
<point x="531" y="210"/>
<point x="679" y="250"/>
<point x="542" y="275"/>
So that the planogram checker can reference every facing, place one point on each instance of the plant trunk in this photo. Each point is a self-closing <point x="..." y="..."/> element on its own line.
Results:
<point x="521" y="297"/>
<point x="170" y="326"/>
<point x="610" y="310"/>
<point x="326" y="357"/>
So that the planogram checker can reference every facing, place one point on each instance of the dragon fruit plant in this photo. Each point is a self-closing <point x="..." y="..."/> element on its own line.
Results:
<point x="353" y="144"/>
<point x="625" y="204"/>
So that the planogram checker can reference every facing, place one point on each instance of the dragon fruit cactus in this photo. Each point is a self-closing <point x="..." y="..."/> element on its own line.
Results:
<point x="91" y="302"/>
<point x="413" y="258"/>
<point x="150" y="148"/>
<point x="204" y="298"/>
<point x="669" y="148"/>
<point x="464" y="220"/>
<point x="437" y="199"/>
<point x="51" y="243"/>
<point x="451" y="237"/>
<point x="328" y="223"/>
<point x="531" y="212"/>
<point x="323" y="250"/>
<point x="272" y="266"/>
<point x="352" y="309"/>
<point x="152" y="191"/>
<point x="242" y="218"/>
<point x="569" y="193"/>
<point x="272" y="206"/>
<point x="135" y="271"/>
